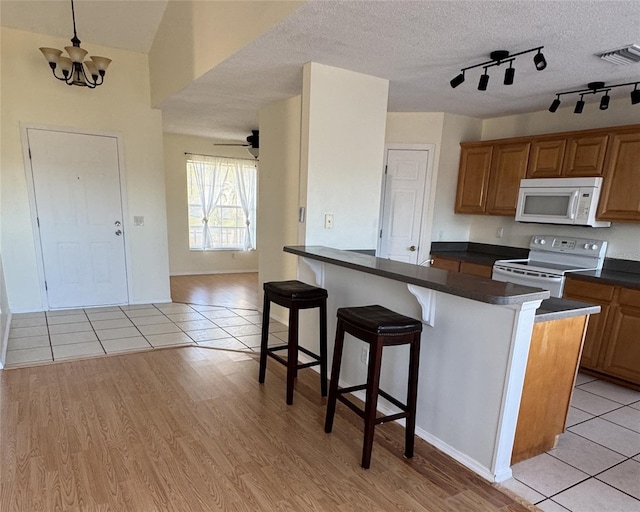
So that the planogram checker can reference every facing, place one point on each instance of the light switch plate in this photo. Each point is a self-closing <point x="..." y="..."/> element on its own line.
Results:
<point x="138" y="220"/>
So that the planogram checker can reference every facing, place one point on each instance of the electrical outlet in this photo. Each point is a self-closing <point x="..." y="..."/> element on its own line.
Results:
<point x="328" y="221"/>
<point x="499" y="232"/>
<point x="364" y="355"/>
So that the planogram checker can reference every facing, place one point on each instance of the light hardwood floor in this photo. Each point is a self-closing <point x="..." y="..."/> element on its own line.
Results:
<point x="190" y="429"/>
<point x="229" y="290"/>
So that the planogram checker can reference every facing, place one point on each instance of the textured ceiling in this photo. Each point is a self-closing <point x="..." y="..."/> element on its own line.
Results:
<point x="417" y="45"/>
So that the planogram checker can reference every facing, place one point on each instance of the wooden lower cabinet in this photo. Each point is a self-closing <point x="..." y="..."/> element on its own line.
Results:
<point x="445" y="264"/>
<point x="476" y="269"/>
<point x="548" y="383"/>
<point x="611" y="348"/>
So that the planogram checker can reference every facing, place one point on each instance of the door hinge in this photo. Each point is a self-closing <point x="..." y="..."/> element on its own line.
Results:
<point x="45" y="286"/>
<point x="386" y="167"/>
<point x="38" y="221"/>
<point x="29" y="152"/>
<point x="380" y="233"/>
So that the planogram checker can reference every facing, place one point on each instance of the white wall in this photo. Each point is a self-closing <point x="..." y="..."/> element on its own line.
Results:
<point x="30" y="95"/>
<point x="624" y="238"/>
<point x="343" y="129"/>
<point x="278" y="188"/>
<point x="182" y="261"/>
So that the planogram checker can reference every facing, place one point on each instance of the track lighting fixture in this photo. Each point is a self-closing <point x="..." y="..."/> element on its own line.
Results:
<point x="596" y="88"/>
<point x="497" y="58"/>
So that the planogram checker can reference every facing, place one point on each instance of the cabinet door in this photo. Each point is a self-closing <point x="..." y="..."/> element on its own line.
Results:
<point x="596" y="294"/>
<point x="620" y="199"/>
<point x="585" y="155"/>
<point x="473" y="179"/>
<point x="622" y="354"/>
<point x="445" y="264"/>
<point x="476" y="269"/>
<point x="546" y="158"/>
<point x="508" y="167"/>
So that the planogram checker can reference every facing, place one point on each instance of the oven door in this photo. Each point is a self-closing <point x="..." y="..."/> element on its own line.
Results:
<point x="548" y="205"/>
<point x="547" y="281"/>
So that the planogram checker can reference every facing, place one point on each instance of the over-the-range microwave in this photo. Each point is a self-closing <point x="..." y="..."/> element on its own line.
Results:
<point x="560" y="201"/>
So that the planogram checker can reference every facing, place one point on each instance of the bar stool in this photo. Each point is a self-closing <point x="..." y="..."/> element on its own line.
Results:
<point x="295" y="296"/>
<point x="379" y="327"/>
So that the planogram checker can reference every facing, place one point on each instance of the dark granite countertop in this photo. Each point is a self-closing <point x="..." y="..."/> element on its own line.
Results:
<point x="483" y="254"/>
<point x="615" y="271"/>
<point x="462" y="285"/>
<point x="557" y="309"/>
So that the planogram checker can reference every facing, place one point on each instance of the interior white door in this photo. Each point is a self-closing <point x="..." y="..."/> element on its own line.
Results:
<point x="403" y="204"/>
<point x="77" y="191"/>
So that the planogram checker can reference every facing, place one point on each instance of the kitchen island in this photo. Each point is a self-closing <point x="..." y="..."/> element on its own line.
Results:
<point x="475" y="346"/>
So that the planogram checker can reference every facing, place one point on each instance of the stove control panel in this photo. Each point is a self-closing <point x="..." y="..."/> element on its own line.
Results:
<point x="569" y="245"/>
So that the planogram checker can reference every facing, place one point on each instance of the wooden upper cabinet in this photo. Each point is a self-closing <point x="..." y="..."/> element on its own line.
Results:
<point x="585" y="155"/>
<point x="473" y="178"/>
<point x="546" y="158"/>
<point x="620" y="198"/>
<point x="508" y="167"/>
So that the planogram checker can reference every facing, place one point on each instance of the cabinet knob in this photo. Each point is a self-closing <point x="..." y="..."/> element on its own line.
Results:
<point x="412" y="248"/>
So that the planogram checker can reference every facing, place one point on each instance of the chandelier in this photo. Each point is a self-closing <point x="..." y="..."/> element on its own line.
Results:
<point x="75" y="70"/>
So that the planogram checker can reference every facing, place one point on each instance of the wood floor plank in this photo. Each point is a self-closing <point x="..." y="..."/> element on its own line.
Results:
<point x="191" y="429"/>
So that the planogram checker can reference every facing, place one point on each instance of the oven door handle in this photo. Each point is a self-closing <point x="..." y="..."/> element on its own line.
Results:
<point x="574" y="205"/>
<point x="526" y="274"/>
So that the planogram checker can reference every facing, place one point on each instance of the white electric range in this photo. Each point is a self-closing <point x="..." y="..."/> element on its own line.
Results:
<point x="550" y="259"/>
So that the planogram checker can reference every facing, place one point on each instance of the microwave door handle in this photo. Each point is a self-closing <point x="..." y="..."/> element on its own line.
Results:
<point x="574" y="204"/>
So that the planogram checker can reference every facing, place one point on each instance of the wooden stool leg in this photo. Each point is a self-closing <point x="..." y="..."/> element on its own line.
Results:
<point x="335" y="377"/>
<point x="292" y="352"/>
<point x="412" y="397"/>
<point x="264" y="341"/>
<point x="371" y="401"/>
<point x="323" y="348"/>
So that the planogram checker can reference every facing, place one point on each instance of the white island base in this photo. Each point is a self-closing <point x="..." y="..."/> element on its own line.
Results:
<point x="472" y="361"/>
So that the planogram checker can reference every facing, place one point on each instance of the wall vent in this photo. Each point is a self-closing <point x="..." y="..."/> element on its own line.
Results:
<point x="623" y="56"/>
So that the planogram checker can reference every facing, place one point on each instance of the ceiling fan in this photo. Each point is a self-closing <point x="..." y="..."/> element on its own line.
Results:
<point x="252" y="145"/>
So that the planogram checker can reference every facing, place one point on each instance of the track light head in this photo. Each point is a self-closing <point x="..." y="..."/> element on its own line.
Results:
<point x="457" y="80"/>
<point x="539" y="61"/>
<point x="555" y="104"/>
<point x="484" y="81"/>
<point x="509" y="74"/>
<point x="604" y="101"/>
<point x="635" y="96"/>
<point x="579" y="106"/>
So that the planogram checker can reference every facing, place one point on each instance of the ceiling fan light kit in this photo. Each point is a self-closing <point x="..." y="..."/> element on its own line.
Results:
<point x="596" y="88"/>
<point x="75" y="70"/>
<point x="497" y="58"/>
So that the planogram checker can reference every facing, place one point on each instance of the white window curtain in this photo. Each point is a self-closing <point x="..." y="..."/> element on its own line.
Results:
<point x="209" y="175"/>
<point x="245" y="177"/>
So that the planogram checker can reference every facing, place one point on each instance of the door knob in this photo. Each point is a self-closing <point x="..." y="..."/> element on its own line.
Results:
<point x="117" y="223"/>
<point x="412" y="248"/>
<point x="118" y="232"/>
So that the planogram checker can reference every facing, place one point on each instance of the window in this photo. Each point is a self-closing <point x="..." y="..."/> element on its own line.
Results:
<point x="222" y="203"/>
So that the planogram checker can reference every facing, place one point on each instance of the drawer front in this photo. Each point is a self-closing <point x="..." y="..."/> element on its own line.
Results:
<point x="446" y="264"/>
<point x="588" y="289"/>
<point x="629" y="297"/>
<point x="476" y="269"/>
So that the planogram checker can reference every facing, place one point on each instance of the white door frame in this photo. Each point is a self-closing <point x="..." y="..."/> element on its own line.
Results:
<point x="31" y="191"/>
<point x="424" y="245"/>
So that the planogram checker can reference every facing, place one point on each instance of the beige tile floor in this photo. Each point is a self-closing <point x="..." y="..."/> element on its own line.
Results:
<point x="594" y="468"/>
<point x="596" y="465"/>
<point x="39" y="338"/>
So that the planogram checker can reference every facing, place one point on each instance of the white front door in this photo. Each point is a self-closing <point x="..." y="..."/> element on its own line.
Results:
<point x="403" y="204"/>
<point x="76" y="179"/>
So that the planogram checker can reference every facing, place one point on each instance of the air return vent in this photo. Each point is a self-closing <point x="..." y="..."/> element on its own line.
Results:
<point x="623" y="56"/>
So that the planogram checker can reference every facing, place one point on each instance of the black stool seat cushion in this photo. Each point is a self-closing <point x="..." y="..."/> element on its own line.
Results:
<point x="294" y="290"/>
<point x="379" y="320"/>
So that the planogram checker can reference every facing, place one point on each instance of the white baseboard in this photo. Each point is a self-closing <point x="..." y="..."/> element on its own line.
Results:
<point x="5" y="341"/>
<point x="207" y="272"/>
